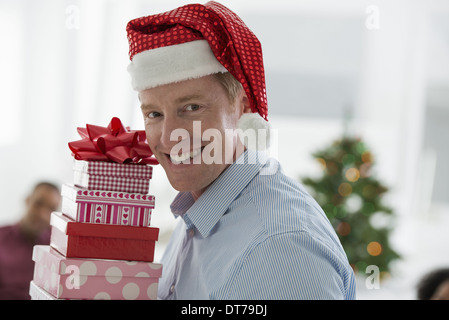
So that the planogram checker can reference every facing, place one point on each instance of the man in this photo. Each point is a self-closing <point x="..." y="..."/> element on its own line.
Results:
<point x="246" y="230"/>
<point x="17" y="241"/>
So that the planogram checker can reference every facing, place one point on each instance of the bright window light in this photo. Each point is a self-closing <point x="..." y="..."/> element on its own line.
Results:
<point x="10" y="75"/>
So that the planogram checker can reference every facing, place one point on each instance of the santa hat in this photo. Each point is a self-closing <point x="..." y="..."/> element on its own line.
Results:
<point x="195" y="41"/>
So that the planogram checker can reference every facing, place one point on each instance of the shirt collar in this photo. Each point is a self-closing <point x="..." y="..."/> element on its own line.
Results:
<point x="204" y="213"/>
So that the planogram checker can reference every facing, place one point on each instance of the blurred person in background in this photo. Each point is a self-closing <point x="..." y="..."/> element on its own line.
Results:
<point x="434" y="285"/>
<point x="17" y="241"/>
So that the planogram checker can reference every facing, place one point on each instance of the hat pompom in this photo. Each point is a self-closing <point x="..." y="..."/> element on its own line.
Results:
<point x="254" y="131"/>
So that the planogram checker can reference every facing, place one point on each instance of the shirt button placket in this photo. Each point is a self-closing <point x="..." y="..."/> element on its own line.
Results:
<point x="190" y="234"/>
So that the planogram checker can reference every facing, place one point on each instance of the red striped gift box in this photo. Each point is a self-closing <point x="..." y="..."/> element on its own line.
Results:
<point x="109" y="207"/>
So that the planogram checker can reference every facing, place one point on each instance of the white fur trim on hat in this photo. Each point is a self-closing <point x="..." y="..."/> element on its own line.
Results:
<point x="156" y="67"/>
<point x="254" y="131"/>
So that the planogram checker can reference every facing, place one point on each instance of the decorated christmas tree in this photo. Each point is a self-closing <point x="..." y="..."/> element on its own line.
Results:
<point x="352" y="198"/>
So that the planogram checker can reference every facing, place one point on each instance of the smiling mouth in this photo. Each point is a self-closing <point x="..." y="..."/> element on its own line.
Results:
<point x="185" y="157"/>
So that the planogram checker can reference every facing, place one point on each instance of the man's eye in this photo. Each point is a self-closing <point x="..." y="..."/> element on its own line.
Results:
<point x="153" y="115"/>
<point x="192" y="107"/>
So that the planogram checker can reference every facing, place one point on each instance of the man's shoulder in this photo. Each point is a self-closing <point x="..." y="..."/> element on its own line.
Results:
<point x="277" y="198"/>
<point x="272" y="181"/>
<point x="284" y="206"/>
<point x="9" y="233"/>
<point x="7" y="229"/>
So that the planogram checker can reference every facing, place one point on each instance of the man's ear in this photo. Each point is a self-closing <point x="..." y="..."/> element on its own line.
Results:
<point x="244" y="102"/>
<point x="247" y="108"/>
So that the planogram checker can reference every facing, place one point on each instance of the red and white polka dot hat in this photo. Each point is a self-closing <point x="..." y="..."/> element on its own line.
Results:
<point x="194" y="41"/>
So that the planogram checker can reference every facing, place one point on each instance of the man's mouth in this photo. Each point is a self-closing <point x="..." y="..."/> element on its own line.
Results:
<point x="185" y="157"/>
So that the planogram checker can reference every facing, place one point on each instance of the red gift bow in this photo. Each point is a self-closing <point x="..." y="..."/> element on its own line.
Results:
<point x="114" y="144"/>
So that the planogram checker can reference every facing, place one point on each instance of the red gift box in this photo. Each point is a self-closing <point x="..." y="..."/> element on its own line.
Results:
<point x="102" y="241"/>
<point x="108" y="207"/>
<point x="111" y="176"/>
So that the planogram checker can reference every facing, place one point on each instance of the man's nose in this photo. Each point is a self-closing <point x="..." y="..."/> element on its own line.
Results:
<point x="175" y="129"/>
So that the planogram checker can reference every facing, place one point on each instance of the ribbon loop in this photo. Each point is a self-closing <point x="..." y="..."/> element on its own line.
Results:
<point x="114" y="143"/>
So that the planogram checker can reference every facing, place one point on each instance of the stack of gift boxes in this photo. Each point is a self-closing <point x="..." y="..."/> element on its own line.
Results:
<point x="102" y="244"/>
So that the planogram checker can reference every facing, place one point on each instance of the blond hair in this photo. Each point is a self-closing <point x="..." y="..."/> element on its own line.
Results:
<point x="230" y="84"/>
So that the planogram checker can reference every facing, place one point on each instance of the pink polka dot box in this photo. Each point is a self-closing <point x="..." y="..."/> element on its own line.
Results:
<point x="58" y="277"/>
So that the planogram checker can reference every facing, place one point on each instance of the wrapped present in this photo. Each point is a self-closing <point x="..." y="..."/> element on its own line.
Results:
<point x="111" y="176"/>
<point x="37" y="293"/>
<point x="102" y="241"/>
<point x="109" y="207"/>
<point x="112" y="158"/>
<point x="111" y="183"/>
<point x="103" y="168"/>
<point x="60" y="277"/>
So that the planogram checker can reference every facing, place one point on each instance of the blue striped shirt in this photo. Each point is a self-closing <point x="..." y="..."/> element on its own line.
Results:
<point x="254" y="234"/>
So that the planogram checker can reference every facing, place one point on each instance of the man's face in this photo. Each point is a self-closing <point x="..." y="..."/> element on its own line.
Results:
<point x="187" y="105"/>
<point x="40" y="204"/>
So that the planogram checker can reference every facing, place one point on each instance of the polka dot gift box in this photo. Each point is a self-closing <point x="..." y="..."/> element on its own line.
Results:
<point x="65" y="278"/>
<point x="102" y="244"/>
